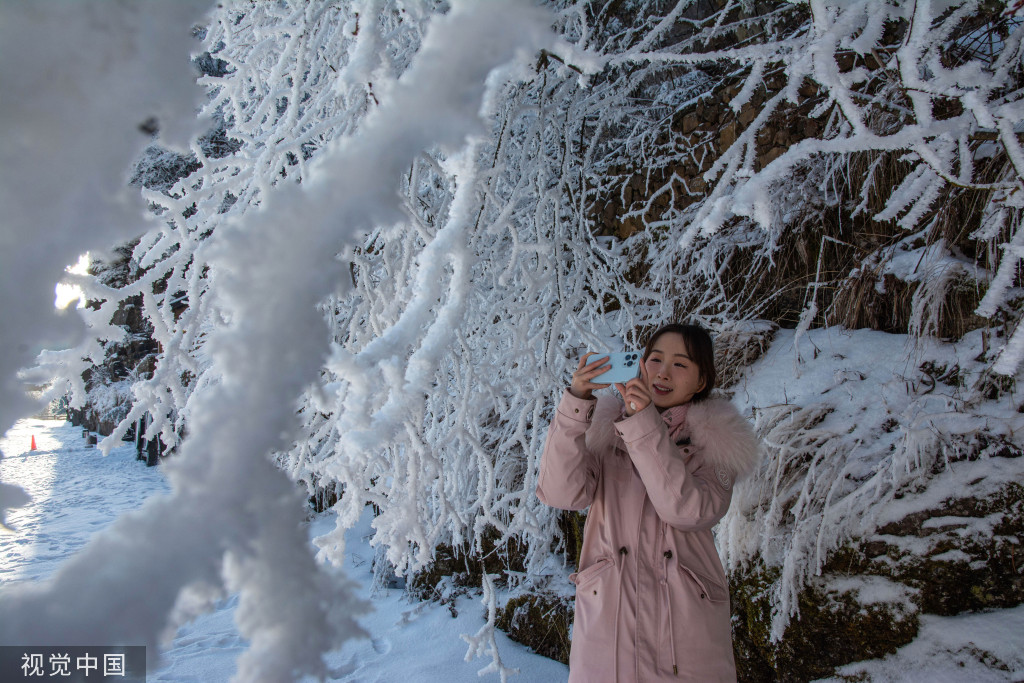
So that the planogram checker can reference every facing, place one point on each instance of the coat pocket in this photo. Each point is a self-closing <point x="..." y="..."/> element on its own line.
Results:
<point x="583" y="578"/>
<point x="710" y="589"/>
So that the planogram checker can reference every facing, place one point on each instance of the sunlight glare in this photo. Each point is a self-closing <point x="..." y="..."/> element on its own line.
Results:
<point x="68" y="293"/>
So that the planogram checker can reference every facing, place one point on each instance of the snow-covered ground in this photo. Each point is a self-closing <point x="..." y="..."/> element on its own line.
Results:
<point x="77" y="492"/>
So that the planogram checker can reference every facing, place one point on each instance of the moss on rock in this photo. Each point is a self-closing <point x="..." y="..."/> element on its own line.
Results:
<point x="751" y="624"/>
<point x="961" y="557"/>
<point x="832" y="628"/>
<point x="970" y="566"/>
<point x="540" y="621"/>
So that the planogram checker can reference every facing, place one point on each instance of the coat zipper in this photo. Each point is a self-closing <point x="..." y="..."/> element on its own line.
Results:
<point x="668" y="602"/>
<point x="623" y="552"/>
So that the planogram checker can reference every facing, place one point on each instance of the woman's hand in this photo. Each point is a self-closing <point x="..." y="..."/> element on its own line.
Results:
<point x="583" y="384"/>
<point x="636" y="392"/>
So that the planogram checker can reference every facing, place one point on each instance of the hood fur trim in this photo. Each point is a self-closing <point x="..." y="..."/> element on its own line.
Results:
<point x="724" y="437"/>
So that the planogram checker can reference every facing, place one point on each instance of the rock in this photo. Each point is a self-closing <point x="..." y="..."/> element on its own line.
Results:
<point x="609" y="214"/>
<point x="808" y="89"/>
<point x="726" y="137"/>
<point x="771" y="155"/>
<point x="629" y="226"/>
<point x="747" y="115"/>
<point x="970" y="561"/>
<point x="775" y="82"/>
<point x="689" y="123"/>
<point x="459" y="568"/>
<point x="958" y="557"/>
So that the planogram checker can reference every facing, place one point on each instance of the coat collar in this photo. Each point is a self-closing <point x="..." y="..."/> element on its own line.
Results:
<point x="674" y="417"/>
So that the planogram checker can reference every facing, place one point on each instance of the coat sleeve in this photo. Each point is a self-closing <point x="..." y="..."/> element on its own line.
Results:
<point x="687" y="499"/>
<point x="568" y="471"/>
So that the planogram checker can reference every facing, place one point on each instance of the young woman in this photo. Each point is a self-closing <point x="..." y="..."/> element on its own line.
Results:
<point x="657" y="470"/>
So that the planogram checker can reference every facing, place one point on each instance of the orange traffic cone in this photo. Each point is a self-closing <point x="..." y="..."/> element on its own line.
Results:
<point x="33" y="443"/>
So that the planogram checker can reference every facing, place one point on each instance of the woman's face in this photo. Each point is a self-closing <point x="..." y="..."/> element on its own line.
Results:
<point x="672" y="376"/>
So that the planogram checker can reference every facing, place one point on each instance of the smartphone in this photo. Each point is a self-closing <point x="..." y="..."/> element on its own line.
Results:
<point x="625" y="365"/>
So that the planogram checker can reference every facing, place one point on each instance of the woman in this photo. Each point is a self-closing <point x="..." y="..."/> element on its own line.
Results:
<point x="657" y="471"/>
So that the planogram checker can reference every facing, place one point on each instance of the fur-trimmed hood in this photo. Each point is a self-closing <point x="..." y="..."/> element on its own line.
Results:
<point x="714" y="426"/>
<point x="724" y="436"/>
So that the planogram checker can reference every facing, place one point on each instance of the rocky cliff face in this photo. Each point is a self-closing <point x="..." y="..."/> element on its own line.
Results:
<point x="109" y="382"/>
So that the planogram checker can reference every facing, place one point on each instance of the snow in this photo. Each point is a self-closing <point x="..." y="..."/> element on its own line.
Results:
<point x="928" y="263"/>
<point x="954" y="555"/>
<point x="77" y="493"/>
<point x="870" y="590"/>
<point x="982" y="647"/>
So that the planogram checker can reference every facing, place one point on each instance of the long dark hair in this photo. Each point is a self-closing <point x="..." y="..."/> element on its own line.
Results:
<point x="698" y="346"/>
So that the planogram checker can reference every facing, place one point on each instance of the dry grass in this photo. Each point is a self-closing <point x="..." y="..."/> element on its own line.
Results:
<point x="739" y="346"/>
<point x="832" y="249"/>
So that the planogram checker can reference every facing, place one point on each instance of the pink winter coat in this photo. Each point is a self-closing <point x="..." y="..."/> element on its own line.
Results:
<point x="652" y="601"/>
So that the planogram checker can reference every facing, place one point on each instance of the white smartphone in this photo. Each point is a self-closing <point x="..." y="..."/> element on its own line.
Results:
<point x="625" y="365"/>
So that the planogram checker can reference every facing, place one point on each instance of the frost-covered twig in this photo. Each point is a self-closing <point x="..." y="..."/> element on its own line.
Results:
<point x="483" y="644"/>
